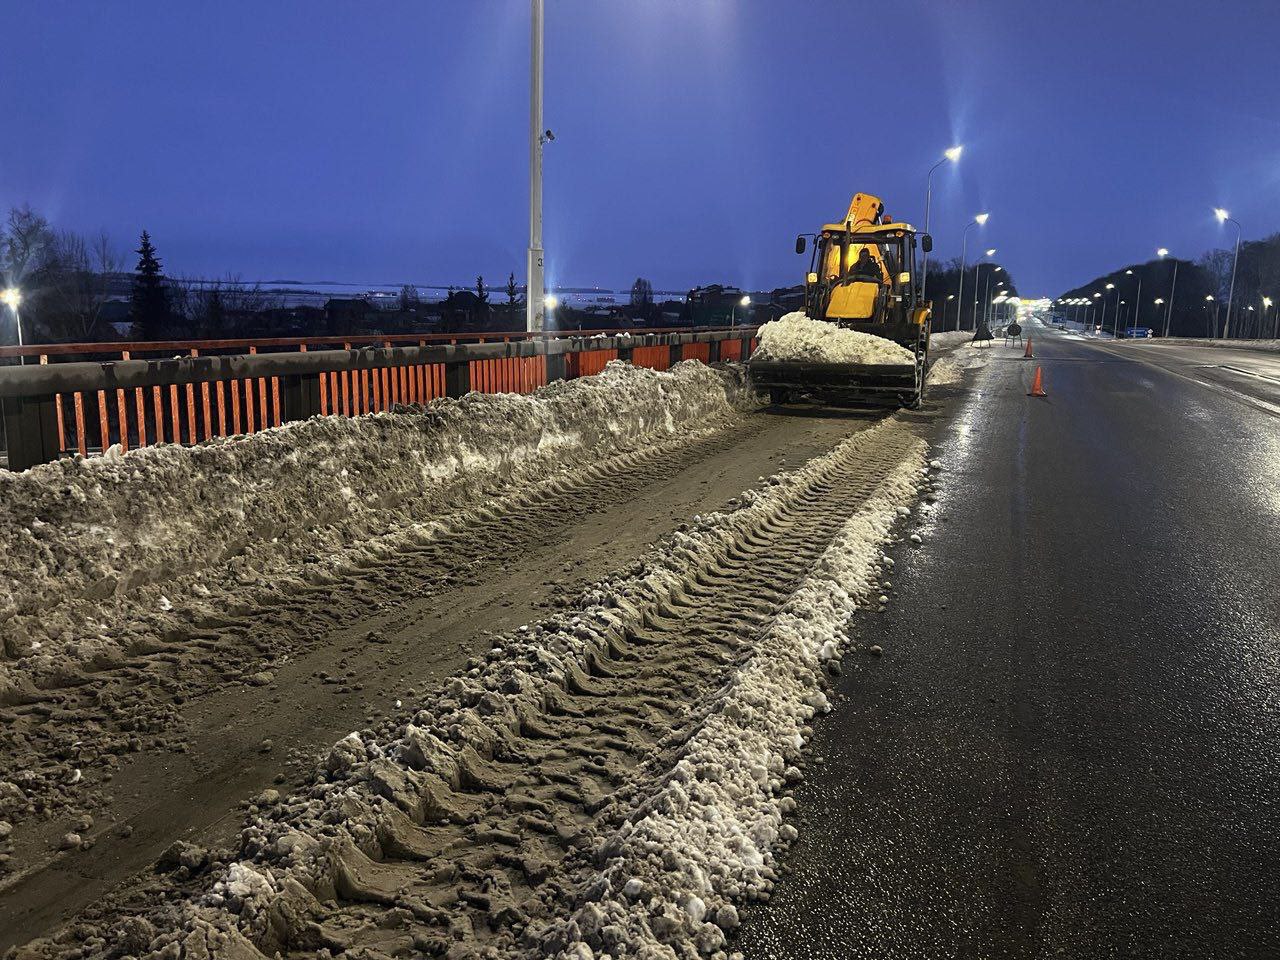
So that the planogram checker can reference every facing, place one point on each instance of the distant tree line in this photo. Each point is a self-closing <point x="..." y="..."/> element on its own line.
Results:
<point x="1200" y="298"/>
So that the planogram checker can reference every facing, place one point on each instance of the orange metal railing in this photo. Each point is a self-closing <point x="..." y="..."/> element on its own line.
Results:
<point x="89" y="421"/>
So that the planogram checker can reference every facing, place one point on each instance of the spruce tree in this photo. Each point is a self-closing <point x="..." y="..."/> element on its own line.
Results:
<point x="149" y="301"/>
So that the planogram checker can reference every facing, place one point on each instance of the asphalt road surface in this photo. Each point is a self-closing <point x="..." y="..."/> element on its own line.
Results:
<point x="1071" y="746"/>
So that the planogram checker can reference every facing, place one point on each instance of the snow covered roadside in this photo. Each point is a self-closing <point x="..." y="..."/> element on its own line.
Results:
<point x="81" y="537"/>
<point x="1266" y="346"/>
<point x="954" y="353"/>
<point x="704" y="837"/>
<point x="658" y="872"/>
<point x="796" y="337"/>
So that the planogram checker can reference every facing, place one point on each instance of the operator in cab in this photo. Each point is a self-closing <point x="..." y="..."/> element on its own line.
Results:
<point x="865" y="268"/>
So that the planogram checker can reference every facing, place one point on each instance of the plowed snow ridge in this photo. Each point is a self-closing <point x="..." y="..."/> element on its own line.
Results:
<point x="610" y="780"/>
<point x="81" y="536"/>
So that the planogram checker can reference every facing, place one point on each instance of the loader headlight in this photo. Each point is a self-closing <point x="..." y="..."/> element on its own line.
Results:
<point x="811" y="278"/>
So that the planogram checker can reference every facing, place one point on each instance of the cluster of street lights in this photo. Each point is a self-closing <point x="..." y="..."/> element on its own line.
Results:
<point x="1087" y="302"/>
<point x="952" y="155"/>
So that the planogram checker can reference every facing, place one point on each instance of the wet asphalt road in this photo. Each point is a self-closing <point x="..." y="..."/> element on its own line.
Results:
<point x="1071" y="747"/>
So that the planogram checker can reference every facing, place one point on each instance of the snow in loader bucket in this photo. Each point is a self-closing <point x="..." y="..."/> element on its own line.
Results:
<point x="798" y="354"/>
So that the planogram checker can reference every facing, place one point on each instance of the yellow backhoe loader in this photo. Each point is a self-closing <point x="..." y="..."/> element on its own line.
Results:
<point x="862" y="275"/>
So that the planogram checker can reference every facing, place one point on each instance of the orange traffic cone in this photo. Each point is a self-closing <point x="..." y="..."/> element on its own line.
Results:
<point x="1027" y="355"/>
<point x="1037" y="385"/>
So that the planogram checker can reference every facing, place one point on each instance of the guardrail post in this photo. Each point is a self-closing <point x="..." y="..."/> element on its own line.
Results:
<point x="625" y="348"/>
<point x="713" y="351"/>
<point x="31" y="425"/>
<point x="457" y="378"/>
<point x="299" y="397"/>
<point x="557" y="367"/>
<point x="676" y="353"/>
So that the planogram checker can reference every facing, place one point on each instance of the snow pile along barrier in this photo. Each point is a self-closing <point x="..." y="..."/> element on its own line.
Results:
<point x="797" y="337"/>
<point x="99" y="532"/>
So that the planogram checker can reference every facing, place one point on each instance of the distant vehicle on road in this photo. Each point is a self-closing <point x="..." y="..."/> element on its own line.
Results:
<point x="1137" y="333"/>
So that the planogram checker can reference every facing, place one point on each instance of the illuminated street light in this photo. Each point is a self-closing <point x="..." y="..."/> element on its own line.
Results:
<point x="952" y="154"/>
<point x="986" y="290"/>
<point x="1224" y="217"/>
<point x="12" y="297"/>
<point x="1266" y="305"/>
<point x="550" y="301"/>
<point x="1173" y="286"/>
<point x="1137" y="301"/>
<point x="733" y="314"/>
<point x="980" y="220"/>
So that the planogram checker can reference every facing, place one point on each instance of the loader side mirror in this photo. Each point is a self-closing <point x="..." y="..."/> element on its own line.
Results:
<point x="800" y="244"/>
<point x="926" y="242"/>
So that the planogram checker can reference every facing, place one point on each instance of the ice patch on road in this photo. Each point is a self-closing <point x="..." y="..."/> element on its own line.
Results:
<point x="796" y="337"/>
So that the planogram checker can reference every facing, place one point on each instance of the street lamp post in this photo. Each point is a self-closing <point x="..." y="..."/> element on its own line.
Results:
<point x="1266" y="304"/>
<point x="1137" y="301"/>
<point x="1103" y="325"/>
<point x="535" y="308"/>
<point x="733" y="313"/>
<point x="986" y="289"/>
<point x="980" y="219"/>
<point x="952" y="154"/>
<point x="1224" y="217"/>
<point x="950" y="297"/>
<point x="1168" y="314"/>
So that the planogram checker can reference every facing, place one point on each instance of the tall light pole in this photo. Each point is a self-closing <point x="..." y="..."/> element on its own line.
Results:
<point x="1103" y="325"/>
<point x="12" y="297"/>
<point x="1266" y="304"/>
<point x="1137" y="303"/>
<point x="980" y="219"/>
<point x="1168" y="314"/>
<point x="952" y="154"/>
<point x="986" y="288"/>
<point x="535" y="306"/>
<point x="1224" y="217"/>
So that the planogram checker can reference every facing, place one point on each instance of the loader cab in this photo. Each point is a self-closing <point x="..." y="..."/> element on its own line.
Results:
<point x="863" y="276"/>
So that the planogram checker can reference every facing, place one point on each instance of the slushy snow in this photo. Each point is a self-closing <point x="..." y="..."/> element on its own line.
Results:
<point x="797" y="337"/>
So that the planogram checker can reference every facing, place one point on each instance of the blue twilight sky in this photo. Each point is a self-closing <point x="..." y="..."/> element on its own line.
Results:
<point x="387" y="141"/>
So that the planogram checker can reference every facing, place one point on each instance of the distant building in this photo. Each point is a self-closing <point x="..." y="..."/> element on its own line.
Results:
<point x="343" y="313"/>
<point x="715" y="305"/>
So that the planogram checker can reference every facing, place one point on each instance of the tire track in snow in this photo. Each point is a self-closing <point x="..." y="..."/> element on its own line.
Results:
<point x="68" y="718"/>
<point x="502" y="808"/>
